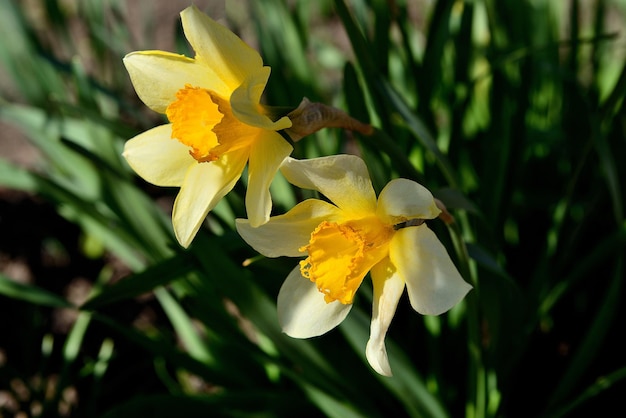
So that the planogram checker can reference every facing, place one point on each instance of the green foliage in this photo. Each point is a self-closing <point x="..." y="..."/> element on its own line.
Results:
<point x="511" y="112"/>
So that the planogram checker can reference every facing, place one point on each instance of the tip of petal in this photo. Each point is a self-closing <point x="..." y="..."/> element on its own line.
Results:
<point x="377" y="357"/>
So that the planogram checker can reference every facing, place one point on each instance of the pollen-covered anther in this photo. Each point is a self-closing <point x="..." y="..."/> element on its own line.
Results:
<point x="193" y="115"/>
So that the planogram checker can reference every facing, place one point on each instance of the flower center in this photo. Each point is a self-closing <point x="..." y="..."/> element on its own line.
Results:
<point x="204" y="121"/>
<point x="340" y="255"/>
<point x="193" y="115"/>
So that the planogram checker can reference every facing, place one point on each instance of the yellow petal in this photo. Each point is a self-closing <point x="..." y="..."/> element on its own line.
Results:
<point x="157" y="158"/>
<point x="433" y="282"/>
<point x="245" y="102"/>
<point x="158" y="75"/>
<point x="302" y="311"/>
<point x="402" y="199"/>
<point x="341" y="178"/>
<point x="231" y="133"/>
<point x="284" y="235"/>
<point x="219" y="48"/>
<point x="388" y="287"/>
<point x="204" y="186"/>
<point x="267" y="153"/>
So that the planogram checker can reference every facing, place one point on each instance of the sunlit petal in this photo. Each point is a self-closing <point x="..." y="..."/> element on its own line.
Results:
<point x="245" y="102"/>
<point x="219" y="48"/>
<point x="341" y="178"/>
<point x="158" y="75"/>
<point x="157" y="158"/>
<point x="402" y="199"/>
<point x="433" y="282"/>
<point x="204" y="186"/>
<point x="266" y="155"/>
<point x="283" y="235"/>
<point x="388" y="287"/>
<point x="302" y="312"/>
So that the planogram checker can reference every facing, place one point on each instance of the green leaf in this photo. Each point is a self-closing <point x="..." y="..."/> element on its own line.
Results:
<point x="406" y="384"/>
<point x="594" y="336"/>
<point x="32" y="294"/>
<point x="257" y="403"/>
<point x="15" y="177"/>
<point x="602" y="384"/>
<point x="455" y="199"/>
<point x="184" y="328"/>
<point x="156" y="275"/>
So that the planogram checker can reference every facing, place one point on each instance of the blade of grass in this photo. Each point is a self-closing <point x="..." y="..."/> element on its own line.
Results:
<point x="389" y="97"/>
<point x="237" y="284"/>
<point x="593" y="338"/>
<point x="30" y="293"/>
<point x="406" y="384"/>
<point x="184" y="328"/>
<point x="603" y="384"/>
<point x="160" y="346"/>
<point x="158" y="274"/>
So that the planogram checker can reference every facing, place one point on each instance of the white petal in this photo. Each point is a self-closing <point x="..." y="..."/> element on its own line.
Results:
<point x="302" y="311"/>
<point x="266" y="155"/>
<point x="215" y="45"/>
<point x="341" y="178"/>
<point x="433" y="282"/>
<point x="205" y="185"/>
<point x="402" y="199"/>
<point x="283" y="235"/>
<point x="388" y="287"/>
<point x="158" y="75"/>
<point x="158" y="158"/>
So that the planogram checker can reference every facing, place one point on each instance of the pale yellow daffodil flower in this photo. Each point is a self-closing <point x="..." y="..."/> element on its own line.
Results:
<point x="217" y="124"/>
<point x="349" y="237"/>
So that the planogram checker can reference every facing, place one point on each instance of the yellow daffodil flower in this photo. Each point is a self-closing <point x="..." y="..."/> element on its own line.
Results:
<point x="346" y="239"/>
<point x="216" y="124"/>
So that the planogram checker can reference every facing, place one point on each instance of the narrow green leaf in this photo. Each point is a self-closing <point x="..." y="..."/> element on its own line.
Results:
<point x="406" y="384"/>
<point x="158" y="346"/>
<point x="609" y="166"/>
<point x="30" y="293"/>
<point x="231" y="404"/>
<point x="455" y="199"/>
<point x="184" y="327"/>
<point x="332" y="407"/>
<point x="594" y="337"/>
<point x="390" y="99"/>
<point x="602" y="384"/>
<point x="156" y="275"/>
<point x="15" y="177"/>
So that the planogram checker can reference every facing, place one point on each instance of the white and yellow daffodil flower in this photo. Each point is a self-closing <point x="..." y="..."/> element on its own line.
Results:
<point x="346" y="239"/>
<point x="217" y="124"/>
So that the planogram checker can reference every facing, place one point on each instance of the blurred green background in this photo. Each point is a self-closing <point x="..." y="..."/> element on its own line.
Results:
<point x="511" y="112"/>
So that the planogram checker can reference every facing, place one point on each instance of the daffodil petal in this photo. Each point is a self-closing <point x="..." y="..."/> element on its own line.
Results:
<point x="158" y="75"/>
<point x="388" y="287"/>
<point x="218" y="47"/>
<point x="266" y="155"/>
<point x="283" y="235"/>
<point x="433" y="282"/>
<point x="402" y="199"/>
<point x="245" y="102"/>
<point x="302" y="311"/>
<point x="158" y="158"/>
<point x="204" y="186"/>
<point x="341" y="178"/>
